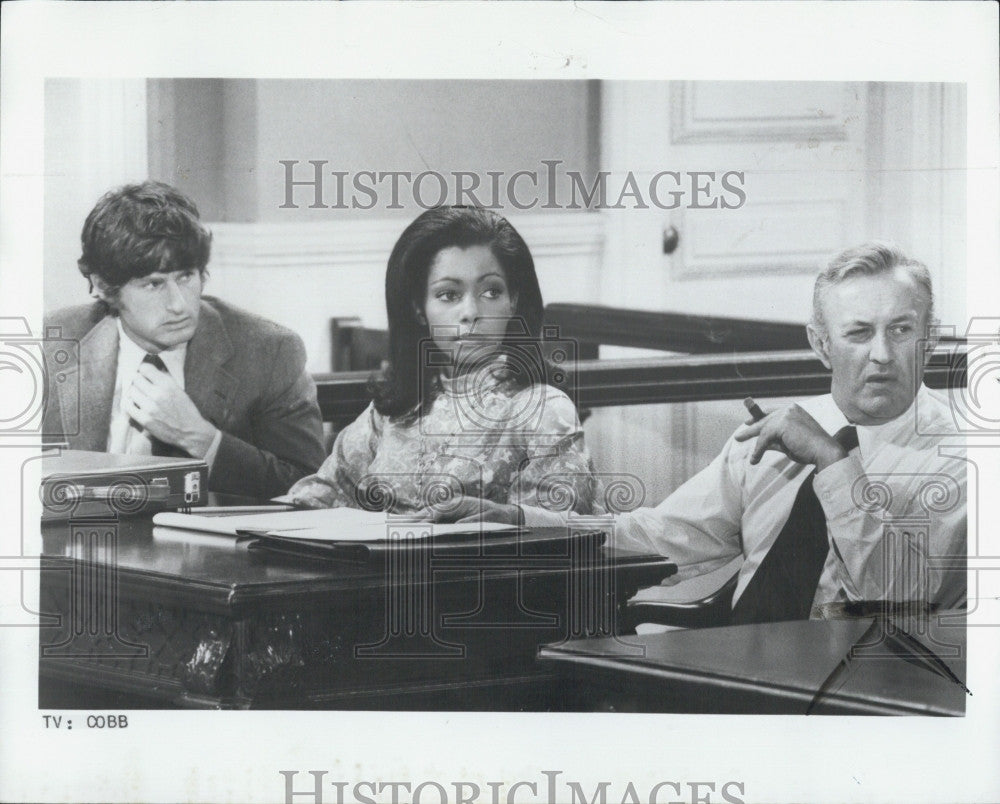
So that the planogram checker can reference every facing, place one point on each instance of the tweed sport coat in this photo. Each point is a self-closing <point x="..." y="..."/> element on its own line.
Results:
<point x="245" y="374"/>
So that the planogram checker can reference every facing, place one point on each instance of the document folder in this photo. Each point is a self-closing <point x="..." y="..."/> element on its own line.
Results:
<point x="501" y="544"/>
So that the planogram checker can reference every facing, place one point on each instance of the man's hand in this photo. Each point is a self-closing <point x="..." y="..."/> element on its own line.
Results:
<point x="795" y="433"/>
<point x="472" y="509"/>
<point x="160" y="405"/>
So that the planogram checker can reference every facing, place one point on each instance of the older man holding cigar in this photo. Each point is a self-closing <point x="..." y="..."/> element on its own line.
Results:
<point x="844" y="497"/>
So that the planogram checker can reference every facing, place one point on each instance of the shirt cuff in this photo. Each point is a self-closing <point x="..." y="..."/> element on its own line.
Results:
<point x="835" y="486"/>
<point x="213" y="449"/>
<point x="535" y="517"/>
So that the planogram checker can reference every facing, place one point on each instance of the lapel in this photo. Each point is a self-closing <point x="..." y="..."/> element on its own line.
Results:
<point x="95" y="384"/>
<point x="210" y="386"/>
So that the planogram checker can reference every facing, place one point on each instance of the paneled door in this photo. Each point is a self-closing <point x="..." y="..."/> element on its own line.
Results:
<point x="766" y="179"/>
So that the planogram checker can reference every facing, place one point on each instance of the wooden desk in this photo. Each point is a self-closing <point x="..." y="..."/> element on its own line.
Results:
<point x="144" y="620"/>
<point x="774" y="668"/>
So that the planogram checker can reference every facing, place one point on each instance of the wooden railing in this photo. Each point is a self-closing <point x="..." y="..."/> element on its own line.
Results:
<point x="609" y="383"/>
<point x="356" y="347"/>
<point x="592" y="325"/>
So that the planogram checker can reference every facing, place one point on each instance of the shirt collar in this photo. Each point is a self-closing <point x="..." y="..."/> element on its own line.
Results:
<point x="826" y="413"/>
<point x="902" y="426"/>
<point x="131" y="355"/>
<point x="831" y="418"/>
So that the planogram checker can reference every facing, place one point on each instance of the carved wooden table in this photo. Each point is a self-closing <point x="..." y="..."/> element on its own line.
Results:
<point x="137" y="617"/>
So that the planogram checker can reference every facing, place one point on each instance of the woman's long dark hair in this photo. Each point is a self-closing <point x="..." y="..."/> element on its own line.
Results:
<point x="409" y="384"/>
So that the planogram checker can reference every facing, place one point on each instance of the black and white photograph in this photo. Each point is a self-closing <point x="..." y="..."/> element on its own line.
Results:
<point x="397" y="412"/>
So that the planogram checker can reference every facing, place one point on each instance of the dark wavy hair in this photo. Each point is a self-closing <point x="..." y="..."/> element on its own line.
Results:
<point x="409" y="383"/>
<point x="137" y="229"/>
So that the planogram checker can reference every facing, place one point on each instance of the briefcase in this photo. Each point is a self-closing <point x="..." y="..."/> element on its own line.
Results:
<point x="76" y="483"/>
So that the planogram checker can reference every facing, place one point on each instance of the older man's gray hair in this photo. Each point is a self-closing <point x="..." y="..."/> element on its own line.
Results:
<point x="869" y="259"/>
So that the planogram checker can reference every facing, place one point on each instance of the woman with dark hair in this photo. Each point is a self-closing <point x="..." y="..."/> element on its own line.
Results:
<point x="463" y="423"/>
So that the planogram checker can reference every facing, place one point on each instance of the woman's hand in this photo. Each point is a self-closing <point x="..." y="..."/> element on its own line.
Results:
<point x="472" y="509"/>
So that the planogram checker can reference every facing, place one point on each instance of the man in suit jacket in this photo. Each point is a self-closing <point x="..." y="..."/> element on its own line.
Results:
<point x="164" y="370"/>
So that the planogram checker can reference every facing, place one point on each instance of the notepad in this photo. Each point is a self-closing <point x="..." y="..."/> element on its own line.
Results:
<point x="324" y="524"/>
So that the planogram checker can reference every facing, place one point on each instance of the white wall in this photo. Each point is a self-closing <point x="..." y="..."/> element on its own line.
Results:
<point x="917" y="187"/>
<point x="95" y="139"/>
<point x="303" y="274"/>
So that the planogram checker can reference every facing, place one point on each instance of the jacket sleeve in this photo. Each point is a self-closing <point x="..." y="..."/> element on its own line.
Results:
<point x="283" y="439"/>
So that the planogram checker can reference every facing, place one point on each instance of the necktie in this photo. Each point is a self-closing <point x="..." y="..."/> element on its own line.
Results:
<point x="784" y="585"/>
<point x="162" y="448"/>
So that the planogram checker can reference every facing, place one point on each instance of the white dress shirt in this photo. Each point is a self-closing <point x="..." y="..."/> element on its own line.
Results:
<point x="895" y="507"/>
<point x="123" y="437"/>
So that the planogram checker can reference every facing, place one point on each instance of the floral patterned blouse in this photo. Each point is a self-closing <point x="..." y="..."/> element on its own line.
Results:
<point x="482" y="437"/>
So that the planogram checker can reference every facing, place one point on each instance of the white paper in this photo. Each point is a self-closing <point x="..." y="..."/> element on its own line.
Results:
<point x="334" y="520"/>
<point x="324" y="524"/>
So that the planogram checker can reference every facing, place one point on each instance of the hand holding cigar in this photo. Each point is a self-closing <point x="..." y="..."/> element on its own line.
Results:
<point x="791" y="431"/>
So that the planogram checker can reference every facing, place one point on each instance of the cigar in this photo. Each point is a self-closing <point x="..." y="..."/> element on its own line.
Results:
<point x="754" y="409"/>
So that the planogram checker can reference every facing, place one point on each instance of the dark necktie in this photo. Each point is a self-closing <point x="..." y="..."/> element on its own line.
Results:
<point x="162" y="448"/>
<point x="784" y="585"/>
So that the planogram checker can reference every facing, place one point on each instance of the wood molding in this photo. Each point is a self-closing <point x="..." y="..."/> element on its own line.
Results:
<point x="688" y="125"/>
